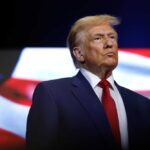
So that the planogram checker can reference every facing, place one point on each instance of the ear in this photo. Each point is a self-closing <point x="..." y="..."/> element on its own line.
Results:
<point x="78" y="53"/>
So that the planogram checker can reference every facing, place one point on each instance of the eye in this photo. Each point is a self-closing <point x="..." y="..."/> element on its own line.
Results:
<point x="112" y="36"/>
<point x="97" y="38"/>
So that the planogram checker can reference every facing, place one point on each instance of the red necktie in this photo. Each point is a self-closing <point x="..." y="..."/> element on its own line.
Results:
<point x="110" y="109"/>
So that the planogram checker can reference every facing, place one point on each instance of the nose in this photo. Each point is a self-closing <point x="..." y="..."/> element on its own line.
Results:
<point x="108" y="42"/>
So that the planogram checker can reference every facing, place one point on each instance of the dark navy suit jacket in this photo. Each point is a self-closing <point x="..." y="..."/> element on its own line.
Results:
<point x="67" y="114"/>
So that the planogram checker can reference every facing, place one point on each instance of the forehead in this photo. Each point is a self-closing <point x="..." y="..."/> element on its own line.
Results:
<point x="101" y="29"/>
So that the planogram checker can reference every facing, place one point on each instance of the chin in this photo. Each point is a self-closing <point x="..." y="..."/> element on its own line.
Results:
<point x="111" y="65"/>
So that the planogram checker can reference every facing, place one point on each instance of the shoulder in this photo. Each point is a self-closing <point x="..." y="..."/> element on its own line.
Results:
<point x="67" y="81"/>
<point x="55" y="83"/>
<point x="125" y="92"/>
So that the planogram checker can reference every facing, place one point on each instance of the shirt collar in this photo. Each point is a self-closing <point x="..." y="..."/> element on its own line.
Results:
<point x="94" y="79"/>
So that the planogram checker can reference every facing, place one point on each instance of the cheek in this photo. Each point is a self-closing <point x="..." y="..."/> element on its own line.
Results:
<point x="93" y="51"/>
<point x="115" y="45"/>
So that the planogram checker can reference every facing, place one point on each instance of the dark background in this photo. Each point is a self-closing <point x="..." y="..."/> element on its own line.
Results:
<point x="45" y="23"/>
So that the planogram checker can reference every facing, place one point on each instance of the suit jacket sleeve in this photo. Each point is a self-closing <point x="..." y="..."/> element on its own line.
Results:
<point x="42" y="122"/>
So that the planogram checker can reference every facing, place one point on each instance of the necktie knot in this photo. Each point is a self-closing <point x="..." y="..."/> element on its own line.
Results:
<point x="104" y="83"/>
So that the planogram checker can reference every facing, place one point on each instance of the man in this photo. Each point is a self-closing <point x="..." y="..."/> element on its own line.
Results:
<point x="70" y="113"/>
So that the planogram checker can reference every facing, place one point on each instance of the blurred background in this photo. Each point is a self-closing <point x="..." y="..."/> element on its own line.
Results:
<point x="33" y="48"/>
<point x="47" y="22"/>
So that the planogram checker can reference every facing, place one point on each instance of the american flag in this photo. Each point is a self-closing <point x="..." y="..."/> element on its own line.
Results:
<point x="39" y="64"/>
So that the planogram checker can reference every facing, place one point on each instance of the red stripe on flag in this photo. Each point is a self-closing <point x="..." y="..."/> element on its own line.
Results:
<point x="18" y="90"/>
<point x="139" y="51"/>
<point x="10" y="141"/>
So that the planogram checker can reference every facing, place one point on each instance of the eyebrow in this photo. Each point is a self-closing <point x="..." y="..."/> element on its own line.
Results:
<point x="101" y="34"/>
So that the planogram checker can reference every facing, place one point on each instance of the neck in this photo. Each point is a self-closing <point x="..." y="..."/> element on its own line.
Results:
<point x="104" y="75"/>
<point x="101" y="73"/>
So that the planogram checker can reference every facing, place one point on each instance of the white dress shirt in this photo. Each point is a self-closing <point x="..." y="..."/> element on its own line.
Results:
<point x="94" y="80"/>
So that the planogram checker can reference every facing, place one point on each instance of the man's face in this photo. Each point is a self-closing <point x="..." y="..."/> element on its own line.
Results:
<point x="100" y="49"/>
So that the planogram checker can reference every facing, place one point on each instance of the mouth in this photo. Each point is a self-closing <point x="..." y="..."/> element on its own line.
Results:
<point x="110" y="54"/>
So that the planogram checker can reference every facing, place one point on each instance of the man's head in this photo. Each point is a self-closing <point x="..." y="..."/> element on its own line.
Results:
<point x="93" y="43"/>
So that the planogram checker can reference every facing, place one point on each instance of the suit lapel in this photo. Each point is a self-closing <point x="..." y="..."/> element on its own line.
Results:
<point x="131" y="108"/>
<point x="88" y="99"/>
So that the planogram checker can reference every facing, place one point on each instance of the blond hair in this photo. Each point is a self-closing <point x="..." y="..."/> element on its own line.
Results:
<point x="75" y="36"/>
